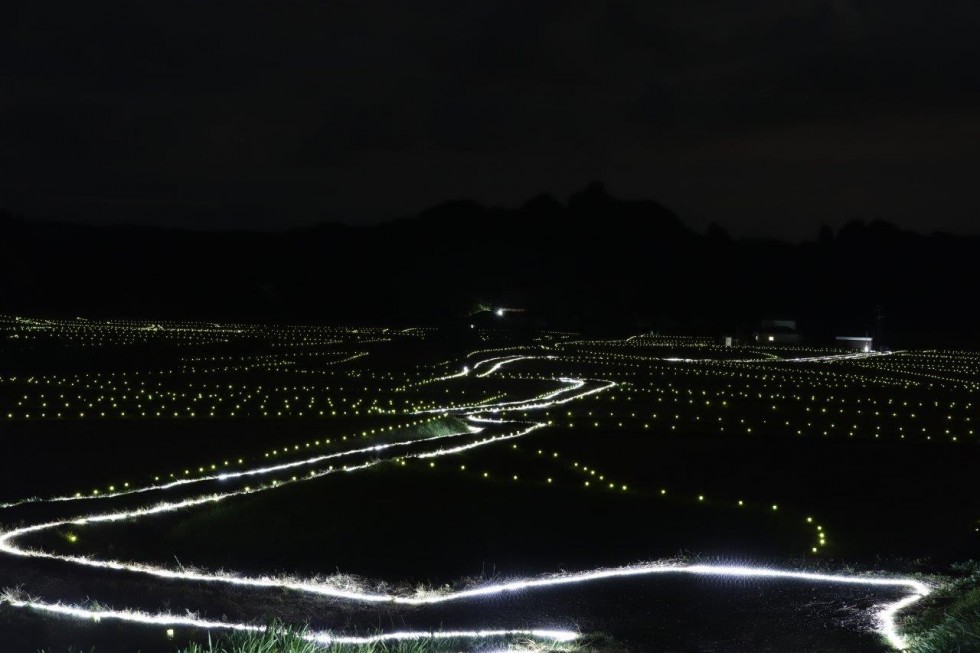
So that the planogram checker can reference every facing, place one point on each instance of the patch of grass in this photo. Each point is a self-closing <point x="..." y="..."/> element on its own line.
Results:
<point x="280" y="638"/>
<point x="948" y="620"/>
<point x="273" y="640"/>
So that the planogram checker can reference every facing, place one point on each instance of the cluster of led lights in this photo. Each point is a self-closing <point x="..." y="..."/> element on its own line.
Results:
<point x="595" y="479"/>
<point x="847" y="404"/>
<point x="168" y="394"/>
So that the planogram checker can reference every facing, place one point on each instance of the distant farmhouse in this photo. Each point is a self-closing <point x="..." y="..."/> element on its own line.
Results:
<point x="777" y="332"/>
<point x="860" y="343"/>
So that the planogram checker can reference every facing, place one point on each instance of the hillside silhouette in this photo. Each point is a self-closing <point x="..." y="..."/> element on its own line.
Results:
<point x="593" y="263"/>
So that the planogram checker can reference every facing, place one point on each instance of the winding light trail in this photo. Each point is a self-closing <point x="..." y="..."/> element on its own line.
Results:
<point x="477" y="414"/>
<point x="224" y="476"/>
<point x="885" y="616"/>
<point x="323" y="637"/>
<point x="506" y="361"/>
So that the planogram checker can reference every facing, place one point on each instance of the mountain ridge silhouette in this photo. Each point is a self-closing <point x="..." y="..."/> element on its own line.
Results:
<point x="594" y="262"/>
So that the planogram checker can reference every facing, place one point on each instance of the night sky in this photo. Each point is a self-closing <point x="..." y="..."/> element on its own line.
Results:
<point x="769" y="117"/>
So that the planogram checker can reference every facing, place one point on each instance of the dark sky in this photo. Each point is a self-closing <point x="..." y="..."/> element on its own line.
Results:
<point x="767" y="116"/>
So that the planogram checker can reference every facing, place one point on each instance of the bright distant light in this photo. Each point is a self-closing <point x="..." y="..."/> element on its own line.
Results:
<point x="500" y="312"/>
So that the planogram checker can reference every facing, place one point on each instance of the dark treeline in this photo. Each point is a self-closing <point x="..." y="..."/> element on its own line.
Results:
<point x="595" y="263"/>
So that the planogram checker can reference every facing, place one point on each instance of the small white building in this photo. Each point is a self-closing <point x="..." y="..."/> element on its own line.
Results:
<point x="777" y="332"/>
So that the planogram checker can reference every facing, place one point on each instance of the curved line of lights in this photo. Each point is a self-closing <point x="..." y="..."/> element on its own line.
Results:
<point x="800" y="359"/>
<point x="497" y="366"/>
<point x="224" y="476"/>
<point x="323" y="637"/>
<point x="547" y="400"/>
<point x="885" y="616"/>
<point x="479" y="364"/>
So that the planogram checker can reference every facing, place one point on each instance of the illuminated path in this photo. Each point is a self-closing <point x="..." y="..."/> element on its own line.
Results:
<point x="423" y="447"/>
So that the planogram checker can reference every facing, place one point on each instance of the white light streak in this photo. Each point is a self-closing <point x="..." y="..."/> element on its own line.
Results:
<point x="467" y="370"/>
<point x="323" y="637"/>
<point x="546" y="400"/>
<point x="886" y="620"/>
<point x="225" y="476"/>
<point x="803" y="359"/>
<point x="507" y="361"/>
<point x="480" y="443"/>
<point x="479" y="364"/>
<point x="538" y="633"/>
<point x="885" y="617"/>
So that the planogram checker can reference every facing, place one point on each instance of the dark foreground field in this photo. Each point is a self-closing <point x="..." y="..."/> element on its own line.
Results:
<point x="728" y="456"/>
